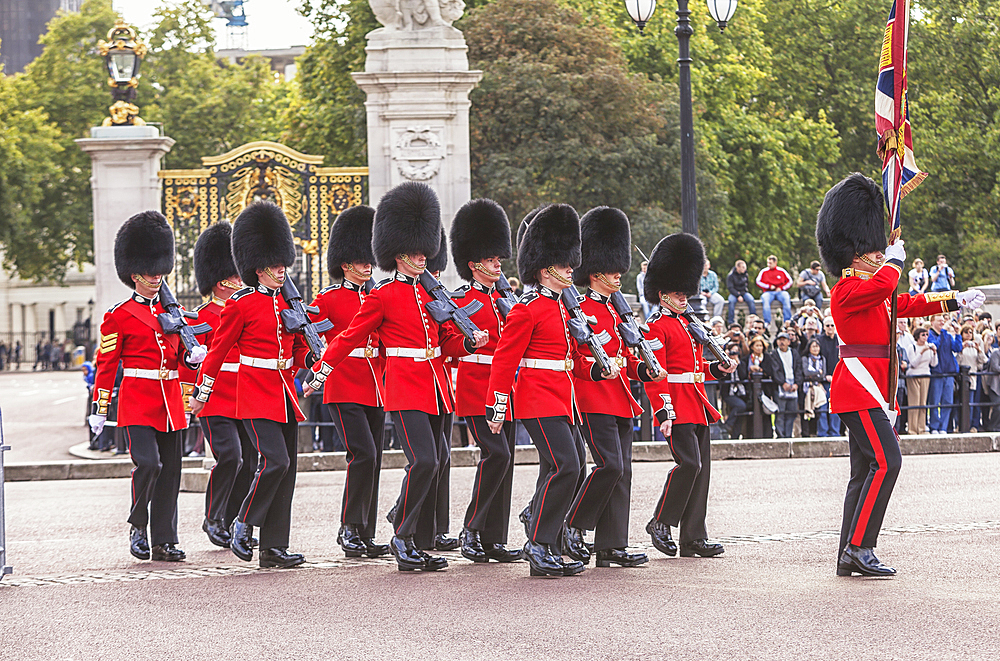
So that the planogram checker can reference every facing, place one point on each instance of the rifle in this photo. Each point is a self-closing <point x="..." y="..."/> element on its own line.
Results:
<point x="442" y="308"/>
<point x="296" y="319"/>
<point x="173" y="320"/>
<point x="579" y="328"/>
<point x="703" y="335"/>
<point x="632" y="333"/>
<point x="507" y="299"/>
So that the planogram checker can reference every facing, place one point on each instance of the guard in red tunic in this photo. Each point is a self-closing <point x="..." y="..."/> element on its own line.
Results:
<point x="406" y="229"/>
<point x="266" y="401"/>
<point x="606" y="406"/>
<point x="536" y="347"/>
<point x="150" y="405"/>
<point x="353" y="391"/>
<point x="480" y="238"/>
<point x="682" y="408"/>
<point x="850" y="231"/>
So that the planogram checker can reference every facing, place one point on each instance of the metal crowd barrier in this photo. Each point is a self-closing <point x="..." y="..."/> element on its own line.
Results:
<point x="4" y="567"/>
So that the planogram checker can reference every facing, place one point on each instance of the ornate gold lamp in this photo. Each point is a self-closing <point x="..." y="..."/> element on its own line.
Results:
<point x="122" y="53"/>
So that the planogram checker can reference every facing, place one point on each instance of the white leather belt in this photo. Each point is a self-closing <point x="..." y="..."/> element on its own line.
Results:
<point x="554" y="365"/>
<point x="267" y="363"/>
<point x="415" y="354"/>
<point x="230" y="367"/>
<point x="618" y="360"/>
<point x="476" y="358"/>
<point x="365" y="352"/>
<point x="686" y="377"/>
<point x="156" y="375"/>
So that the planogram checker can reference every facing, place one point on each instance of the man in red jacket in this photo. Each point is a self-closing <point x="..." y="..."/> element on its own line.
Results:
<point x="406" y="229"/>
<point x="151" y="408"/>
<point x="850" y="232"/>
<point x="774" y="283"/>
<point x="684" y="412"/>
<point x="266" y="400"/>
<point x="607" y="406"/>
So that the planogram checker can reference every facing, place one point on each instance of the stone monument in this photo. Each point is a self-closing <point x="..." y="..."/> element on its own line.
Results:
<point x="417" y="81"/>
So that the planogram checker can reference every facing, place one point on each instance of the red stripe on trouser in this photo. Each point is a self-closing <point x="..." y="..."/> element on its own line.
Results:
<point x="350" y="458"/>
<point x="407" y="491"/>
<point x="479" y="481"/>
<point x="541" y="504"/>
<point x="877" y="479"/>
<point x="259" y="473"/>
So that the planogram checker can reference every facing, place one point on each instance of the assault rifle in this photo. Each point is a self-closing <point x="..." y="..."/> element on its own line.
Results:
<point x="173" y="320"/>
<point x="703" y="335"/>
<point x="296" y="319"/>
<point x="631" y="331"/>
<point x="579" y="328"/>
<point x="507" y="299"/>
<point x="442" y="308"/>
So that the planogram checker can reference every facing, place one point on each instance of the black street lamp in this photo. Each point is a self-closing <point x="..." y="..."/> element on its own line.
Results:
<point x="123" y="53"/>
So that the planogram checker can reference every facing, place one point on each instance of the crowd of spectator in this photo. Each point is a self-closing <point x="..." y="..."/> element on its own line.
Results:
<point x="10" y="355"/>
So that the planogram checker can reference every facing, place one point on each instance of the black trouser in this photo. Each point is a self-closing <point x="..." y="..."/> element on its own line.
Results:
<point x="244" y="478"/>
<point x="559" y="468"/>
<point x="685" y="495"/>
<point x="421" y="436"/>
<point x="156" y="479"/>
<point x="875" y="462"/>
<point x="489" y="508"/>
<point x="269" y="503"/>
<point x="602" y="503"/>
<point x="361" y="429"/>
<point x="226" y="438"/>
<point x="442" y="503"/>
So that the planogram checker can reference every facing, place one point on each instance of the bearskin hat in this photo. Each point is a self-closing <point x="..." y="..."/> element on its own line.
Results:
<point x="439" y="262"/>
<point x="213" y="256"/>
<point x="261" y="238"/>
<point x="606" y="244"/>
<point x="480" y="230"/>
<point x="552" y="238"/>
<point x="850" y="222"/>
<point x="144" y="245"/>
<point x="527" y="221"/>
<point x="407" y="221"/>
<point x="350" y="239"/>
<point x="676" y="264"/>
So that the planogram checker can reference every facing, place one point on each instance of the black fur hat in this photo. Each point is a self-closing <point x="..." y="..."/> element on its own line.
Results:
<point x="350" y="239"/>
<point x="439" y="262"/>
<point x="144" y="245"/>
<point x="527" y="221"/>
<point x="850" y="222"/>
<point x="552" y="238"/>
<point x="480" y="230"/>
<point x="213" y="256"/>
<point x="407" y="221"/>
<point x="676" y="265"/>
<point x="261" y="238"/>
<point x="606" y="244"/>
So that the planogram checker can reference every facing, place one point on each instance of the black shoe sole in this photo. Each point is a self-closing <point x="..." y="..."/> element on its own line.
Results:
<point x="176" y="558"/>
<point x="634" y="563"/>
<point x="139" y="556"/>
<point x="447" y="547"/>
<point x="845" y="570"/>
<point x="246" y="557"/>
<point x="272" y="564"/>
<point x="506" y="559"/>
<point x="353" y="554"/>
<point x="376" y="554"/>
<point x="478" y="559"/>
<point x="848" y="570"/>
<point x="573" y="572"/>
<point x="551" y="573"/>
<point x="669" y="552"/>
<point x="698" y="554"/>
<point x="218" y="541"/>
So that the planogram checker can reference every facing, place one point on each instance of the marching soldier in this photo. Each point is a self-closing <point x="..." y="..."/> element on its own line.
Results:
<point x="151" y="408"/>
<point x="354" y="392"/>
<point x="267" y="404"/>
<point x="405" y="231"/>
<point x="480" y="238"/>
<point x="684" y="412"/>
<point x="850" y="232"/>
<point x="607" y="406"/>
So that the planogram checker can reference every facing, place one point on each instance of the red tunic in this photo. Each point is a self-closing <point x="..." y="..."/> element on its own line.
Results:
<point x="130" y="333"/>
<point x="681" y="357"/>
<point x="613" y="396"/>
<point x="474" y="374"/>
<point x="859" y="303"/>
<point x="223" y="400"/>
<point x="358" y="379"/>
<point x="396" y="310"/>
<point x="251" y="323"/>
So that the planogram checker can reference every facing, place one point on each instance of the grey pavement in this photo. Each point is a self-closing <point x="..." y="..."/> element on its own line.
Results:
<point x="43" y="414"/>
<point x="77" y="594"/>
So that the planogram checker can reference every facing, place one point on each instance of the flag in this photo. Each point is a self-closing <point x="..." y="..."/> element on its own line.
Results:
<point x="900" y="173"/>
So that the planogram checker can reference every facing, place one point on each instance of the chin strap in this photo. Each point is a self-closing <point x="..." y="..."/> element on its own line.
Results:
<point x="668" y="303"/>
<point x="869" y="261"/>
<point x="551" y="270"/>
<point x="144" y="282"/>
<point x="409" y="262"/>
<point x="608" y="283"/>
<point x="482" y="269"/>
<point x="271" y="275"/>
<point x="364" y="276"/>
<point x="229" y="284"/>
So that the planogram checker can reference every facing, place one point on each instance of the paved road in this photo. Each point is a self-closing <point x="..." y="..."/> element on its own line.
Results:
<point x="77" y="594"/>
<point x="43" y="414"/>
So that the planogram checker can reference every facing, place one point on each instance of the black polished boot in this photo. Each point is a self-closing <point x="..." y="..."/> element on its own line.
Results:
<point x="373" y="550"/>
<point x="432" y="562"/>
<point x="407" y="557"/>
<point x="501" y="553"/>
<point x="390" y="516"/>
<point x="442" y="542"/>
<point x="660" y="534"/>
<point x="573" y="544"/>
<point x="239" y="542"/>
<point x="525" y="518"/>
<point x="350" y="541"/>
<point x="167" y="553"/>
<point x="862" y="560"/>
<point x="138" y="544"/>
<point x="571" y="568"/>
<point x="608" y="557"/>
<point x="541" y="560"/>
<point x="472" y="547"/>
<point x="280" y="557"/>
<point x="217" y="533"/>
<point x="253" y="540"/>
<point x="700" y="547"/>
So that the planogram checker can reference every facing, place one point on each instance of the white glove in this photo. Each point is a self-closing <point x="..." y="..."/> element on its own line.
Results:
<point x="196" y="355"/>
<point x="96" y="423"/>
<point x="970" y="299"/>
<point x="896" y="251"/>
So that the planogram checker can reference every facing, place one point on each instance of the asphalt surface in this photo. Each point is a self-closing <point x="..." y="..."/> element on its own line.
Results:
<point x="77" y="594"/>
<point x="43" y="414"/>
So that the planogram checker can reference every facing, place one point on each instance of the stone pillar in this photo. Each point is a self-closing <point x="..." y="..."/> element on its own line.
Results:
<point x="124" y="182"/>
<point x="417" y="83"/>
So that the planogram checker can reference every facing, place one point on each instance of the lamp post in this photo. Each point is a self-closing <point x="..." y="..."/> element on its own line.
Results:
<point x="122" y="53"/>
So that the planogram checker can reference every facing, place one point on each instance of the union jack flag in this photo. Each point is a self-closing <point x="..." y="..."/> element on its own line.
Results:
<point x="900" y="173"/>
